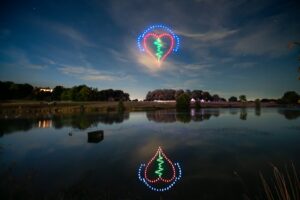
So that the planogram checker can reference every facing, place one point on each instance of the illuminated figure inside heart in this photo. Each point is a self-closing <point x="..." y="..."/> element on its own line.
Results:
<point x="158" y="46"/>
<point x="158" y="42"/>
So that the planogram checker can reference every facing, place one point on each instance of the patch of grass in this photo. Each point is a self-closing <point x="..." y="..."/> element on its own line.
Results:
<point x="284" y="185"/>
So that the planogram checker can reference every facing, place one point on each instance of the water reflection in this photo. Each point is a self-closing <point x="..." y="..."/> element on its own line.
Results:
<point x="243" y="114"/>
<point x="47" y="123"/>
<point x="13" y="125"/>
<point x="233" y="111"/>
<point x="257" y="111"/>
<point x="290" y="114"/>
<point x="170" y="116"/>
<point x="84" y="121"/>
<point x="218" y="157"/>
<point x="81" y="122"/>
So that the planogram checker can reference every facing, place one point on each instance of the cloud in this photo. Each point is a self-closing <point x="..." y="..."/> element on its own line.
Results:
<point x="19" y="59"/>
<point x="196" y="28"/>
<point x="144" y="62"/>
<point x="196" y="67"/>
<point x="267" y="37"/>
<point x="70" y="33"/>
<point x="260" y="42"/>
<point x="118" y="55"/>
<point x="34" y="66"/>
<point x="209" y="36"/>
<point x="91" y="74"/>
<point x="244" y="65"/>
<point x="170" y="70"/>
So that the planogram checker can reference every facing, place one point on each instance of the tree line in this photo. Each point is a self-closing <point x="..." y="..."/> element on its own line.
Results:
<point x="289" y="97"/>
<point x="171" y="94"/>
<point x="10" y="90"/>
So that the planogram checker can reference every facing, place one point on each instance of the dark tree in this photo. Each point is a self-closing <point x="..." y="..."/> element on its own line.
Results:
<point x="66" y="95"/>
<point x="183" y="102"/>
<point x="242" y="98"/>
<point x="223" y="99"/>
<point x="215" y="97"/>
<point x="197" y="94"/>
<point x="232" y="99"/>
<point x="290" y="97"/>
<point x="56" y="93"/>
<point x="178" y="93"/>
<point x="206" y="96"/>
<point x="10" y="90"/>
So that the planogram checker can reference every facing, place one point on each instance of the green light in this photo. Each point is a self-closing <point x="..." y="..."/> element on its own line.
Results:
<point x="158" y="44"/>
<point x="160" y="163"/>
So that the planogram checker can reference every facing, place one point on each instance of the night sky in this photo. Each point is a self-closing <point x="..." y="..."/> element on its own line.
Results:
<point x="227" y="47"/>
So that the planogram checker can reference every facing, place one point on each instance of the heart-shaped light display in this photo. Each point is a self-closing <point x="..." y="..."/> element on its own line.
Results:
<point x="158" y="41"/>
<point x="158" y="46"/>
<point x="160" y="174"/>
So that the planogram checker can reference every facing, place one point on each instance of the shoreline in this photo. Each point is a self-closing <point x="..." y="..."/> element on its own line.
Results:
<point x="37" y="108"/>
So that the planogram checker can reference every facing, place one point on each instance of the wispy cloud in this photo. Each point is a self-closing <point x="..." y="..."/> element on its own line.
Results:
<point x="244" y="65"/>
<point x="196" y="67"/>
<point x="209" y="36"/>
<point x="260" y="42"/>
<point x="187" y="84"/>
<point x="118" y="55"/>
<point x="171" y="72"/>
<point x="267" y="37"/>
<point x="91" y="74"/>
<point x="19" y="59"/>
<point x="70" y="33"/>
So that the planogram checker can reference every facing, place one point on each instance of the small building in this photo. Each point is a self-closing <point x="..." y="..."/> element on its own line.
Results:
<point x="193" y="100"/>
<point x="46" y="90"/>
<point x="164" y="101"/>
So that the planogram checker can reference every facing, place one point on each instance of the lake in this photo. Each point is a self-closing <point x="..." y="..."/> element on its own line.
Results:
<point x="220" y="151"/>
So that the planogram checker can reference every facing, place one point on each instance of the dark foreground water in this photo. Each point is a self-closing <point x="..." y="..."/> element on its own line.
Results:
<point x="220" y="151"/>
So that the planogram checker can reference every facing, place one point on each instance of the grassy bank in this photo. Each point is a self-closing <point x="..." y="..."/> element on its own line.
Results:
<point x="32" y="108"/>
<point x="16" y="108"/>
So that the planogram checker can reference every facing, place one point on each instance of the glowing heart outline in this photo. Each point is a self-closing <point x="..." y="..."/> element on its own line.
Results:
<point x="156" y="36"/>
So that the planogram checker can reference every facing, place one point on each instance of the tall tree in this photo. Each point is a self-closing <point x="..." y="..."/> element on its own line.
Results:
<point x="56" y="93"/>
<point x="232" y="99"/>
<point x="242" y="98"/>
<point x="290" y="97"/>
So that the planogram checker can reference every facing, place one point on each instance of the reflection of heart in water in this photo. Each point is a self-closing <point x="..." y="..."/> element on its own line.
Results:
<point x="160" y="168"/>
<point x="160" y="174"/>
<point x="158" y="46"/>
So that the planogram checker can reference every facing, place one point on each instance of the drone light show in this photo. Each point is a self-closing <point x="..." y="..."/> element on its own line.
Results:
<point x="158" y="41"/>
<point x="160" y="174"/>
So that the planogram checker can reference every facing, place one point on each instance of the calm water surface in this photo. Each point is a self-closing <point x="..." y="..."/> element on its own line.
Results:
<point x="221" y="152"/>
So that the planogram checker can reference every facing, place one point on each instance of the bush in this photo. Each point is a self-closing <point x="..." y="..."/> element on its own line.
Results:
<point x="121" y="106"/>
<point x="243" y="98"/>
<point x="198" y="105"/>
<point x="183" y="102"/>
<point x="232" y="99"/>
<point x="290" y="97"/>
<point x="257" y="103"/>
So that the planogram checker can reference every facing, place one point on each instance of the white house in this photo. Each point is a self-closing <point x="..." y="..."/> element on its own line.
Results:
<point x="46" y="89"/>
